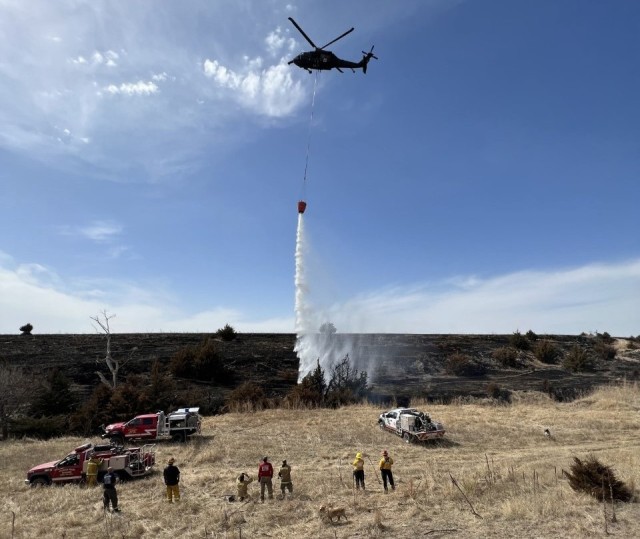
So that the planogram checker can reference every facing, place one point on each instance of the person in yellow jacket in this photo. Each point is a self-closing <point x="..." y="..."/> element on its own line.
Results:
<point x="93" y="464"/>
<point x="242" y="484"/>
<point x="385" y="470"/>
<point x="358" y="471"/>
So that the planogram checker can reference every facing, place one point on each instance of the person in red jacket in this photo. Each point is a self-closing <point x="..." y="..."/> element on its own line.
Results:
<point x="265" y="474"/>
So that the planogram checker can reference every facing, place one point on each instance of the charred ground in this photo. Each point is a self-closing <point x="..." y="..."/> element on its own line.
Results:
<point x="405" y="366"/>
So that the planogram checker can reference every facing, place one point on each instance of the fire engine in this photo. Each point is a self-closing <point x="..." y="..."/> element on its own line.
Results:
<point x="128" y="463"/>
<point x="174" y="426"/>
<point x="411" y="425"/>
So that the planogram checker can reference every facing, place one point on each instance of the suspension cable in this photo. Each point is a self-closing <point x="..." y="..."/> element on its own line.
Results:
<point x="306" y="163"/>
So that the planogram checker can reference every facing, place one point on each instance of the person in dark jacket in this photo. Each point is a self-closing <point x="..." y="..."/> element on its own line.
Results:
<point x="172" y="479"/>
<point x="109" y="494"/>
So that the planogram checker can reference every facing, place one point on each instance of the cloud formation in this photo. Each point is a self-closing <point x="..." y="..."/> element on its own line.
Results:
<point x="103" y="84"/>
<point x="595" y="297"/>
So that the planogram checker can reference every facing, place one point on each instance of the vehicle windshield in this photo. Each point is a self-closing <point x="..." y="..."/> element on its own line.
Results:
<point x="70" y="460"/>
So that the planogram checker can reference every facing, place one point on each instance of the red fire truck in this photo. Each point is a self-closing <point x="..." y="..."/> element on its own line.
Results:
<point x="174" y="426"/>
<point x="128" y="463"/>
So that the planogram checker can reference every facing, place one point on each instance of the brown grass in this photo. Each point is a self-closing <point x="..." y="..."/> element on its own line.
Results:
<point x="508" y="470"/>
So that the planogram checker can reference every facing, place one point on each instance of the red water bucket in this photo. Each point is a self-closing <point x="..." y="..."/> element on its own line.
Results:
<point x="302" y="205"/>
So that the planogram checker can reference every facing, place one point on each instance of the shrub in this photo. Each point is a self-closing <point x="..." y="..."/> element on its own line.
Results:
<point x="311" y="390"/>
<point x="54" y="397"/>
<point x="463" y="365"/>
<point x="26" y="329"/>
<point x="577" y="360"/>
<point x="202" y="362"/>
<point x="605" y="337"/>
<point x="604" y="351"/>
<point x="494" y="391"/>
<point x="507" y="356"/>
<point x="519" y="341"/>
<point x="346" y="385"/>
<point x="41" y="427"/>
<point x="227" y="333"/>
<point x="531" y="336"/>
<point x="598" y="480"/>
<point x="328" y="328"/>
<point x="250" y="394"/>
<point x="546" y="351"/>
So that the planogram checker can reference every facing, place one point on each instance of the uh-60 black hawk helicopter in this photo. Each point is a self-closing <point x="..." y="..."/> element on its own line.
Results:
<point x="322" y="59"/>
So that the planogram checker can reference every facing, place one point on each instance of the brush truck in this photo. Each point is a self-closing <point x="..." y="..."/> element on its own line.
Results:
<point x="128" y="463"/>
<point x="175" y="426"/>
<point x="411" y="425"/>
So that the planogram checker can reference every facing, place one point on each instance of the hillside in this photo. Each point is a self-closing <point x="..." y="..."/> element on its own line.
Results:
<point x="399" y="366"/>
<point x="510" y="473"/>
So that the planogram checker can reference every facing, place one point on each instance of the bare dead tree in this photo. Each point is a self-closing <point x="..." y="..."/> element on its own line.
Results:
<point x="114" y="365"/>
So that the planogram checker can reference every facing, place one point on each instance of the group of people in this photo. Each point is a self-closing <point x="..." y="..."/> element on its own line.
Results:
<point x="265" y="478"/>
<point x="171" y="476"/>
<point x="385" y="464"/>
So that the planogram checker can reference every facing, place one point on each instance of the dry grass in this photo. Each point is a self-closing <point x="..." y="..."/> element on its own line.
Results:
<point x="509" y="472"/>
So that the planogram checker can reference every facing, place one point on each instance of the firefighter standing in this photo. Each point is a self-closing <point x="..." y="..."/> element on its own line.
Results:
<point x="385" y="470"/>
<point x="358" y="471"/>
<point x="242" y="484"/>
<point x="92" y="470"/>
<point x="265" y="474"/>
<point x="285" y="478"/>
<point x="172" y="479"/>
<point x="109" y="493"/>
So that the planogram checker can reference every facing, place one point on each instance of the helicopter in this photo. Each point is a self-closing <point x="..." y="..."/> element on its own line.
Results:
<point x="321" y="59"/>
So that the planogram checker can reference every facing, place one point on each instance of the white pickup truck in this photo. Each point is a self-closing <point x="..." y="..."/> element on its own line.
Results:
<point x="411" y="425"/>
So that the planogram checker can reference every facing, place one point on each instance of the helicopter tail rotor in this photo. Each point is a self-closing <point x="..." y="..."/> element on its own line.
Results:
<point x="365" y="59"/>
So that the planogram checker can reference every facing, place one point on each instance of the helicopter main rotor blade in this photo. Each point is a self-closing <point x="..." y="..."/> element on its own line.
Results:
<point x="336" y="39"/>
<point x="302" y="32"/>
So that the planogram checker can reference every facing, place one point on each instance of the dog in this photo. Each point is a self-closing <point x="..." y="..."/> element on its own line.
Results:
<point x="332" y="513"/>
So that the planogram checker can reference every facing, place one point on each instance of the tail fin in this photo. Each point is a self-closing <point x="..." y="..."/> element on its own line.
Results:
<point x="365" y="59"/>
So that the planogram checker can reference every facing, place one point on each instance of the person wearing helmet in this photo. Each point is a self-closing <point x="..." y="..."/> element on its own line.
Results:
<point x="171" y="476"/>
<point x="242" y="486"/>
<point x="93" y="464"/>
<point x="285" y="478"/>
<point x="358" y="471"/>
<point x="265" y="475"/>
<point x="385" y="470"/>
<point x="109" y="493"/>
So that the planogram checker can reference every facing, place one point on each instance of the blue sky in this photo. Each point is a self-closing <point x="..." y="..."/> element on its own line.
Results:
<point x="482" y="177"/>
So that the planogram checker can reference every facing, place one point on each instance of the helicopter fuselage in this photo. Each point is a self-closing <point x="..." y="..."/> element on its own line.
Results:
<point x="323" y="60"/>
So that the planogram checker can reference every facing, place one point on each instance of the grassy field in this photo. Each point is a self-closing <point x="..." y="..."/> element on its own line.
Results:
<point x="510" y="473"/>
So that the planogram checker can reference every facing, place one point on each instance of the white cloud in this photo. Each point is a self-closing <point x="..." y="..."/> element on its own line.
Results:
<point x="597" y="297"/>
<point x="133" y="88"/>
<point x="109" y="50"/>
<point x="276" y="42"/>
<point x="271" y="91"/>
<point x="98" y="231"/>
<point x="600" y="297"/>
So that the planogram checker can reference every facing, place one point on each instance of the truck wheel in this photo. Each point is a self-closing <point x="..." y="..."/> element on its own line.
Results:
<point x="117" y="440"/>
<point x="39" y="482"/>
<point x="179" y="437"/>
<point x="381" y="425"/>
<point x="407" y="437"/>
